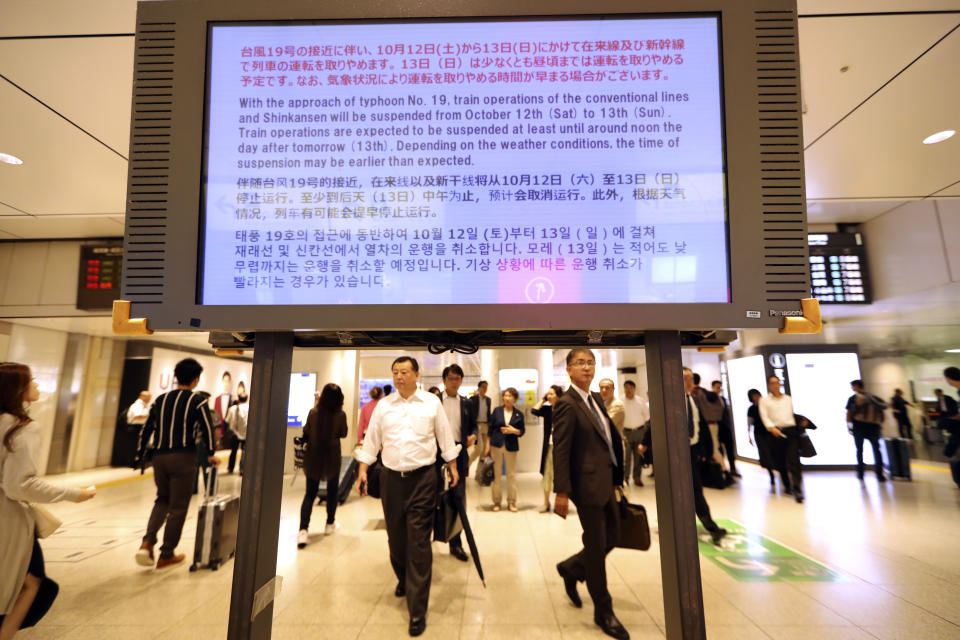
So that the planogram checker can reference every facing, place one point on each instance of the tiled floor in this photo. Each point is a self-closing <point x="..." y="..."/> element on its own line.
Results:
<point x="895" y="546"/>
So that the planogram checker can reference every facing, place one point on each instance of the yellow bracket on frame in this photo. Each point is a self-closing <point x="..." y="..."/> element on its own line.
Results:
<point x="228" y="352"/>
<point x="124" y="325"/>
<point x="811" y="322"/>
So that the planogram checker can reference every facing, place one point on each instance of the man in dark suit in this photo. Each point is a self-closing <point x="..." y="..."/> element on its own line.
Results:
<point x="726" y="430"/>
<point x="463" y="424"/>
<point x="701" y="448"/>
<point x="481" y="415"/>
<point x="588" y="468"/>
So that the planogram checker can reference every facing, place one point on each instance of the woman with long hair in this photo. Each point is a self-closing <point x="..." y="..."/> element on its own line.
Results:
<point x="326" y="424"/>
<point x="544" y="409"/>
<point x="503" y="431"/>
<point x="26" y="593"/>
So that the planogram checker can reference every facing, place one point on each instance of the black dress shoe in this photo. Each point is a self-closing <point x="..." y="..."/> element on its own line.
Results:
<point x="611" y="626"/>
<point x="881" y="478"/>
<point x="718" y="535"/>
<point x="459" y="554"/>
<point x="401" y="590"/>
<point x="798" y="497"/>
<point x="417" y="626"/>
<point x="570" y="584"/>
<point x="736" y="474"/>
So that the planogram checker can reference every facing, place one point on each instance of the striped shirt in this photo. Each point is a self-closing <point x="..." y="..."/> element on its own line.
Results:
<point x="179" y="421"/>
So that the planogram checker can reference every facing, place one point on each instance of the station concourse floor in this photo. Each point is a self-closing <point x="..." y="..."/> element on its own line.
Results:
<point x="892" y="549"/>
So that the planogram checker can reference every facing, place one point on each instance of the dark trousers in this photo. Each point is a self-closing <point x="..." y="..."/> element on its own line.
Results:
<point x="867" y="431"/>
<point x="601" y="532"/>
<point x="699" y="502"/>
<point x="725" y="435"/>
<point x="313" y="488"/>
<point x="234" y="446"/>
<point x="175" y="475"/>
<point x="791" y="459"/>
<point x="903" y="422"/>
<point x="409" y="501"/>
<point x="632" y="461"/>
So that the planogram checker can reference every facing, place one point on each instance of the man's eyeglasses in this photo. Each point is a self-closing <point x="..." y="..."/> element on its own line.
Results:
<point x="584" y="363"/>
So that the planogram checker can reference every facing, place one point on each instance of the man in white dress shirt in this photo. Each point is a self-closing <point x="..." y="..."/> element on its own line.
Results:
<point x="406" y="428"/>
<point x="636" y="413"/>
<point x="776" y="411"/>
<point x="139" y="411"/>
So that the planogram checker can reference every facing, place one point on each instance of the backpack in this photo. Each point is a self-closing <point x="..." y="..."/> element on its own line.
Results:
<point x="868" y="408"/>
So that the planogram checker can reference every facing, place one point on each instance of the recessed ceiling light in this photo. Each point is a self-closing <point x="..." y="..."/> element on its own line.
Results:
<point x="939" y="136"/>
<point x="952" y="351"/>
<point x="9" y="159"/>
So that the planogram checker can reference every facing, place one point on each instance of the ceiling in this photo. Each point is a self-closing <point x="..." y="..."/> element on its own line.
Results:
<point x="65" y="92"/>
<point x="878" y="76"/>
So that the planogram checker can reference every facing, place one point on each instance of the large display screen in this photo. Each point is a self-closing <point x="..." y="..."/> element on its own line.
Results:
<point x="838" y="268"/>
<point x="465" y="162"/>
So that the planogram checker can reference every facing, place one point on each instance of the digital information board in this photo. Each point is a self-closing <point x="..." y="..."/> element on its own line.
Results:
<point x="100" y="271"/>
<point x="838" y="268"/>
<point x="476" y="161"/>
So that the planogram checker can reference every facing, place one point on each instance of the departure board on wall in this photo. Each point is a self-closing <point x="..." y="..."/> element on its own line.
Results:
<point x="838" y="268"/>
<point x="99" y="283"/>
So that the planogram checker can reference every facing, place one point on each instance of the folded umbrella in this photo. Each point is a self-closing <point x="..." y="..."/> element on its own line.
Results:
<point x="468" y="532"/>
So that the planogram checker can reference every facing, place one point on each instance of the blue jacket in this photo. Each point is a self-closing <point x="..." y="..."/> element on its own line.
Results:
<point x="499" y="439"/>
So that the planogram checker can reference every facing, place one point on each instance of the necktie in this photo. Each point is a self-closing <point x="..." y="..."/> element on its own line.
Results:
<point x="603" y="427"/>
<point x="689" y="416"/>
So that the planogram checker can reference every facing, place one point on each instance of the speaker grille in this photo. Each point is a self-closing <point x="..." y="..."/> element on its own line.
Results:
<point x="786" y="273"/>
<point x="148" y="181"/>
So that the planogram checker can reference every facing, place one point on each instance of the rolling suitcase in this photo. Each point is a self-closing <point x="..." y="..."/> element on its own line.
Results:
<point x="898" y="457"/>
<point x="348" y="476"/>
<point x="217" y="524"/>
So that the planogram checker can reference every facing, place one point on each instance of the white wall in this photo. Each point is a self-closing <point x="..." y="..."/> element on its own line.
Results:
<point x="39" y="279"/>
<point x="43" y="351"/>
<point x="341" y="367"/>
<point x="706" y="364"/>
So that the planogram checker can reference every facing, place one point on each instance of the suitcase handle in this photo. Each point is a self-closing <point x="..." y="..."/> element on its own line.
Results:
<point x="212" y="481"/>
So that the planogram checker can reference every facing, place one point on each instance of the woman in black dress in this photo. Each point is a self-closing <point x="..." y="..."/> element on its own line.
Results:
<point x="326" y="425"/>
<point x="544" y="409"/>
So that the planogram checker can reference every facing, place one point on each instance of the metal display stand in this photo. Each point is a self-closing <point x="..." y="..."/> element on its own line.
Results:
<point x="255" y="566"/>
<point x="254" y="577"/>
<point x="679" y="555"/>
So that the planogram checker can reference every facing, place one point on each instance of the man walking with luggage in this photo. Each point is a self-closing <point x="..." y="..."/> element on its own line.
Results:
<point x="179" y="421"/>
<point x="406" y="428"/>
<point x="865" y="415"/>
<point x="588" y="468"/>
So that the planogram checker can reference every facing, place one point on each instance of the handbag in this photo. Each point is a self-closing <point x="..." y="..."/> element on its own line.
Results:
<point x="47" y="523"/>
<point x="634" y="528"/>
<point x="806" y="448"/>
<point x="484" y="474"/>
<point x="446" y="520"/>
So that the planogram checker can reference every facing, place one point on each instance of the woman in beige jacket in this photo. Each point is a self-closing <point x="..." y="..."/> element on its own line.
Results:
<point x="22" y="576"/>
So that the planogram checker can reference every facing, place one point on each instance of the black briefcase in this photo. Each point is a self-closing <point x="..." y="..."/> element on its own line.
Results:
<point x="634" y="528"/>
<point x="373" y="479"/>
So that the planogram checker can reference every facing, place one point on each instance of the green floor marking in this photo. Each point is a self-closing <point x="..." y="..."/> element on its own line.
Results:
<point x="748" y="556"/>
